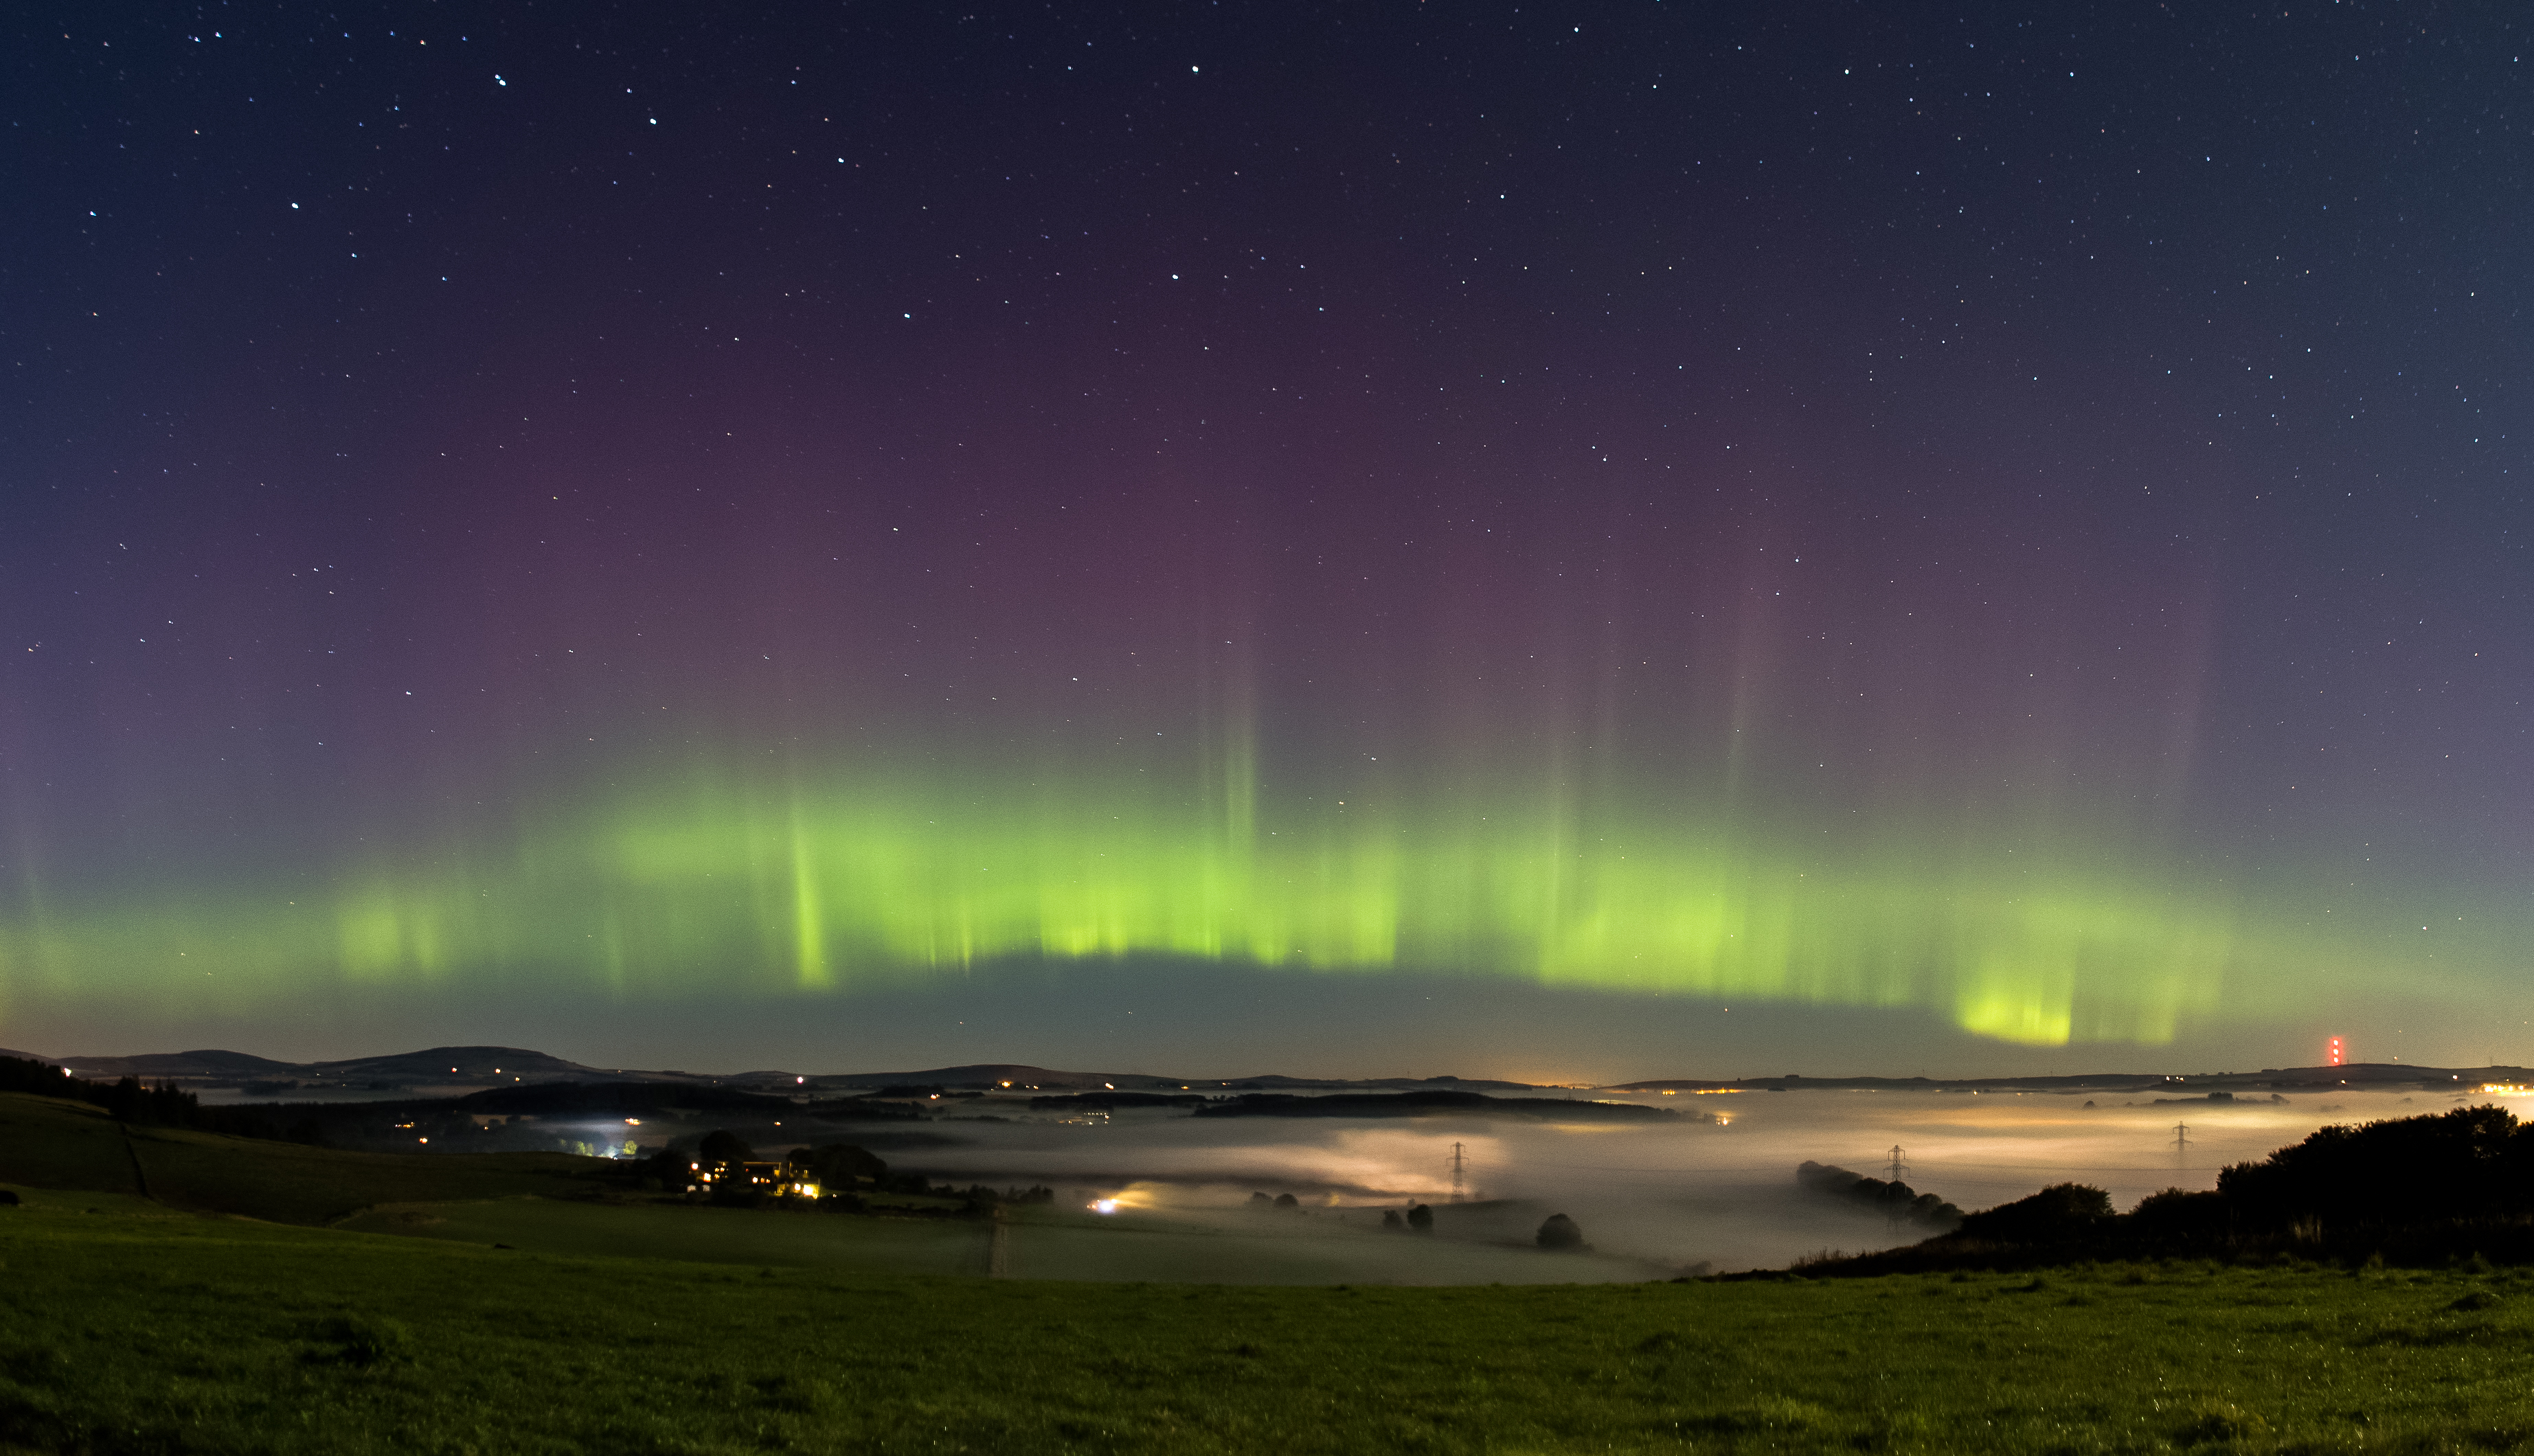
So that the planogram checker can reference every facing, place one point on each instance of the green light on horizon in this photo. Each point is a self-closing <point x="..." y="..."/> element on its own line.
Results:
<point x="824" y="884"/>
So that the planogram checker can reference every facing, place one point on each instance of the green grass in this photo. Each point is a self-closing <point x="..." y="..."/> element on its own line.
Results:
<point x="132" y="1329"/>
<point x="702" y="1234"/>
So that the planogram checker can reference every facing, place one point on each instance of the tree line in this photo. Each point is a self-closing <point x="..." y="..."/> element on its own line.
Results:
<point x="2418" y="1190"/>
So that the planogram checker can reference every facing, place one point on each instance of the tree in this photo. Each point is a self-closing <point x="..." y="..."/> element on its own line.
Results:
<point x="1560" y="1232"/>
<point x="724" y="1146"/>
<point x="1420" y="1219"/>
<point x="839" y="1166"/>
<point x="2058" y="1213"/>
<point x="1391" y="1220"/>
<point x="1288" y="1204"/>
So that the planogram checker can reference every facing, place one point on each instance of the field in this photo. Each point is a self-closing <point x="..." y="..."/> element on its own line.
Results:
<point x="51" y="1143"/>
<point x="126" y="1326"/>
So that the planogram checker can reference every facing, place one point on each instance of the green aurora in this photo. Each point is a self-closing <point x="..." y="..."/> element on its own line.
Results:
<point x="826" y="884"/>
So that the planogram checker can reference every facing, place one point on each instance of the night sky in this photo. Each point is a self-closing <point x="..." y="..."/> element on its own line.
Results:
<point x="1389" y="538"/>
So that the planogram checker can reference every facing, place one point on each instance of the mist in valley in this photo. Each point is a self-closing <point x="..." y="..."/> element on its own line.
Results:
<point x="1157" y="1194"/>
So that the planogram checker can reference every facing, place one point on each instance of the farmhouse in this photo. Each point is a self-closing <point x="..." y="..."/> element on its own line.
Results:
<point x="773" y="1179"/>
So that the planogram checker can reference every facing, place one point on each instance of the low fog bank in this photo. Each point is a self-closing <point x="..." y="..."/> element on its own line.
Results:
<point x="1713" y="1190"/>
<point x="1667" y="1197"/>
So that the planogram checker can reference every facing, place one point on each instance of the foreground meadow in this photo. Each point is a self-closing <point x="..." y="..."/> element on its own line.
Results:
<point x="125" y="1327"/>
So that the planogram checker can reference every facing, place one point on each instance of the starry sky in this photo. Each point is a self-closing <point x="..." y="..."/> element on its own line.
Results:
<point x="1387" y="538"/>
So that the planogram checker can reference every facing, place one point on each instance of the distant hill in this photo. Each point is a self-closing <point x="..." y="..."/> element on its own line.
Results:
<point x="436" y="1069"/>
<point x="1436" y="1104"/>
<point x="207" y="1063"/>
<point x="1023" y="1078"/>
<point x="456" y="1070"/>
<point x="2355" y="1076"/>
<point x="514" y="1063"/>
<point x="448" y="1071"/>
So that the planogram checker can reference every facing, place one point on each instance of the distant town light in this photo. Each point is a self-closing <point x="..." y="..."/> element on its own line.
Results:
<point x="1105" y="1205"/>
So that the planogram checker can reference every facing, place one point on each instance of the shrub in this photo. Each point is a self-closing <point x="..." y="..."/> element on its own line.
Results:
<point x="2059" y="1212"/>
<point x="1559" y="1231"/>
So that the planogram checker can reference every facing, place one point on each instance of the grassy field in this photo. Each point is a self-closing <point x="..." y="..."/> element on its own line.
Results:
<point x="700" y="1235"/>
<point x="128" y="1328"/>
<point x="50" y="1144"/>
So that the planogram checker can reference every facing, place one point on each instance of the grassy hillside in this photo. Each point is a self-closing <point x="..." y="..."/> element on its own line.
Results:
<point x="46" y="1142"/>
<point x="126" y="1328"/>
<point x="779" y="1238"/>
<point x="129" y="1326"/>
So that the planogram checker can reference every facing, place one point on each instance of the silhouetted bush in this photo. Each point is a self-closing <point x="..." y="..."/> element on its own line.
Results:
<point x="1895" y="1199"/>
<point x="1288" y="1204"/>
<point x="2058" y="1213"/>
<point x="1420" y="1219"/>
<point x="2423" y="1190"/>
<point x="2471" y="1162"/>
<point x="2175" y="1215"/>
<point x="1559" y="1231"/>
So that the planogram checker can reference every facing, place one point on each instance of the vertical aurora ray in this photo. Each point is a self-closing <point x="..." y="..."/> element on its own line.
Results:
<point x="868" y="875"/>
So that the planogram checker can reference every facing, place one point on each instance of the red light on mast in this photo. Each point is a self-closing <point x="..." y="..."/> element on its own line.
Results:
<point x="2336" y="1050"/>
